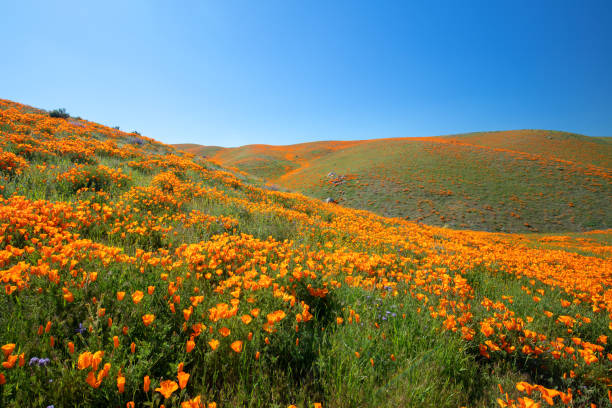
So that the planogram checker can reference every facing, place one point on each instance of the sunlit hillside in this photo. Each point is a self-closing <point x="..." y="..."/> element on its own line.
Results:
<point x="514" y="181"/>
<point x="137" y="275"/>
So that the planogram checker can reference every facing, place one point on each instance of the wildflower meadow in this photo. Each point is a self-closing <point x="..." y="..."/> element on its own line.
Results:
<point x="135" y="274"/>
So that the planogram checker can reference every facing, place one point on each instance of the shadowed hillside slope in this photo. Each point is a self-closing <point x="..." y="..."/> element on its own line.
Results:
<point x="517" y="181"/>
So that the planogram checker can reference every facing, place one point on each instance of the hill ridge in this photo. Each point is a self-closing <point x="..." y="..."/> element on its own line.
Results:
<point x="523" y="160"/>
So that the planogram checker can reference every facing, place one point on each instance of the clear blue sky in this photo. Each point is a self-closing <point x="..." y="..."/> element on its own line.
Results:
<point x="239" y="72"/>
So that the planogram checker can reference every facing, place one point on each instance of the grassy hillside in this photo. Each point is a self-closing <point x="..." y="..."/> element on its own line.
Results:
<point x="137" y="275"/>
<point x="515" y="181"/>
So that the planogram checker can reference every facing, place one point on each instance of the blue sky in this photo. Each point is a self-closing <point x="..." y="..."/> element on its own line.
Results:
<point x="279" y="72"/>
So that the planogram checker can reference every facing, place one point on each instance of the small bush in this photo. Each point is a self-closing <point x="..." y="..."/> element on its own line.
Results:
<point x="59" y="113"/>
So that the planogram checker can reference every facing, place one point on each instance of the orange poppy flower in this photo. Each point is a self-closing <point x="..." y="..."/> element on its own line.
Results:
<point x="148" y="319"/>
<point x="150" y="290"/>
<point x="166" y="388"/>
<point x="7" y="349"/>
<point x="10" y="362"/>
<point x="68" y="296"/>
<point x="137" y="296"/>
<point x="2" y="379"/>
<point x="487" y="330"/>
<point x="190" y="345"/>
<point x="121" y="384"/>
<point x="92" y="380"/>
<point x="237" y="346"/>
<point x="120" y="296"/>
<point x="213" y="344"/>
<point x="147" y="383"/>
<point x="84" y="360"/>
<point x="193" y="403"/>
<point x="96" y="359"/>
<point x="71" y="347"/>
<point x="183" y="377"/>
<point x="224" y="331"/>
<point x="246" y="319"/>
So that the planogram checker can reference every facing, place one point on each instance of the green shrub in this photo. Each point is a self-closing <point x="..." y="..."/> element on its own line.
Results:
<point x="59" y="113"/>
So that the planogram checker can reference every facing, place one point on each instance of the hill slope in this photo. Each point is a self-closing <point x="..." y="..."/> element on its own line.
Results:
<point x="517" y="181"/>
<point x="136" y="275"/>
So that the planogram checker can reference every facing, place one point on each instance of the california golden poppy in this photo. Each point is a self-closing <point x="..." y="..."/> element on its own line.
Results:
<point x="84" y="360"/>
<point x="193" y="403"/>
<point x="137" y="296"/>
<point x="213" y="344"/>
<point x="166" y="388"/>
<point x="10" y="361"/>
<point x="183" y="377"/>
<point x="237" y="346"/>
<point x="121" y="383"/>
<point x="96" y="359"/>
<point x="148" y="319"/>
<point x="7" y="349"/>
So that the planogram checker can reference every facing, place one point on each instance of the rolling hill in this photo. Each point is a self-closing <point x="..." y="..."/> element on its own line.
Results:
<point x="136" y="275"/>
<point x="514" y="181"/>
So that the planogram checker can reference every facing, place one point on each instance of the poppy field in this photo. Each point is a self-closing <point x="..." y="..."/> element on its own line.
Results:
<point x="135" y="274"/>
<point x="511" y="181"/>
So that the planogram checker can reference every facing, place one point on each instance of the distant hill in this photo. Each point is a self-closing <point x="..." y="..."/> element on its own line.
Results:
<point x="199" y="150"/>
<point x="515" y="181"/>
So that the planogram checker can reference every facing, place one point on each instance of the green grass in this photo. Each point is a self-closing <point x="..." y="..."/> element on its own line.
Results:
<point x="467" y="184"/>
<point x="398" y="353"/>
